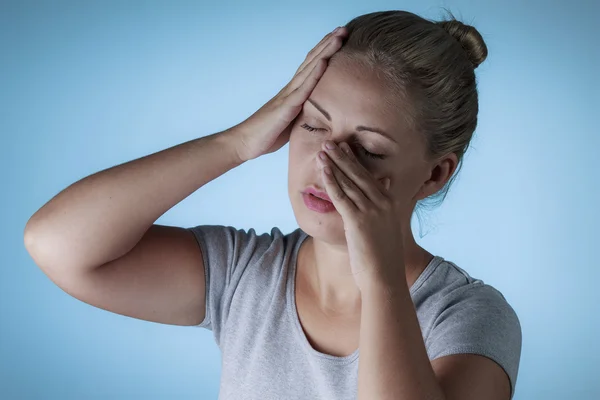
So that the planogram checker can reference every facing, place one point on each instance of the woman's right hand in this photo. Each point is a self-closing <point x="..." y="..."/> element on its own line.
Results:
<point x="268" y="129"/>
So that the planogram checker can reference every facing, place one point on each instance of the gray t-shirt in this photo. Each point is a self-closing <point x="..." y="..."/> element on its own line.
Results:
<point x="251" y="310"/>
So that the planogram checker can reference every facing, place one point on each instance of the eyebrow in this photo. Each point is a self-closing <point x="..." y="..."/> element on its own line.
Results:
<point x="359" y="128"/>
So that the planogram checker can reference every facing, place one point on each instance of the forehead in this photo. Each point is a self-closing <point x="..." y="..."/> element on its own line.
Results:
<point x="353" y="94"/>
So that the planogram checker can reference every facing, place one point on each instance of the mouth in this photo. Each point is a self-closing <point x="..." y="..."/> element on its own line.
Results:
<point x="318" y="201"/>
<point x="318" y="194"/>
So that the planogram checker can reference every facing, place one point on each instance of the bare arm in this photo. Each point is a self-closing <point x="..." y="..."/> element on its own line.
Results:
<point x="96" y="238"/>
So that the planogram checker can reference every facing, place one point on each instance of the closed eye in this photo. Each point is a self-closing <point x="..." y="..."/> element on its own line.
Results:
<point x="309" y="128"/>
<point x="355" y="141"/>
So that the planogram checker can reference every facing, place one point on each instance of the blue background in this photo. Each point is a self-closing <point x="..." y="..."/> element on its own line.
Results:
<point x="87" y="85"/>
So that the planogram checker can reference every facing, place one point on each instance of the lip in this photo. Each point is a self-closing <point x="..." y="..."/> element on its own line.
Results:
<point x="317" y="193"/>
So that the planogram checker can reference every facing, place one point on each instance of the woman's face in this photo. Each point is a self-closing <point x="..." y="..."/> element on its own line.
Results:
<point x="347" y="97"/>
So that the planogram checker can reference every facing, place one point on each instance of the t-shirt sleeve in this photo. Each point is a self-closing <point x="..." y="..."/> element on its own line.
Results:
<point x="226" y="253"/>
<point x="477" y="319"/>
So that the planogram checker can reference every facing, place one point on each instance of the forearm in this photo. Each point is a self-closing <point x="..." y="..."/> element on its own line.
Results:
<point x="393" y="360"/>
<point x="102" y="216"/>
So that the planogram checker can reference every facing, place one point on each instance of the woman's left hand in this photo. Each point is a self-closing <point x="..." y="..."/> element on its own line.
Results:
<point x="370" y="215"/>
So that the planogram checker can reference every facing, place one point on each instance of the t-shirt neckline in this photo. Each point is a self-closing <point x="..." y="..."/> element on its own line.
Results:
<point x="293" y="310"/>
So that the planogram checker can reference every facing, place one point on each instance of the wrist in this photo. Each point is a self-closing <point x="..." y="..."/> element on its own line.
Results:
<point x="379" y="284"/>
<point x="232" y="140"/>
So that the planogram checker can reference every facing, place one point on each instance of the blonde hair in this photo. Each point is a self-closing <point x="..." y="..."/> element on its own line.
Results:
<point x="432" y="65"/>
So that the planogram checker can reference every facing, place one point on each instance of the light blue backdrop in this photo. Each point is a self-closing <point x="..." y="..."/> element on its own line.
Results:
<point x="87" y="85"/>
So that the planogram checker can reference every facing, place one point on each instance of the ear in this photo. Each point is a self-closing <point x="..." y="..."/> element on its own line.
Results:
<point x="440" y="174"/>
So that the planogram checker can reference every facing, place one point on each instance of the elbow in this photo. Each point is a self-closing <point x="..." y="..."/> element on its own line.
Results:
<point x="44" y="248"/>
<point x="29" y="237"/>
<point x="33" y="241"/>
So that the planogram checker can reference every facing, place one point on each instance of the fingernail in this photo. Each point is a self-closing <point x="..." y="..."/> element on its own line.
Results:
<point x="336" y="29"/>
<point x="329" y="145"/>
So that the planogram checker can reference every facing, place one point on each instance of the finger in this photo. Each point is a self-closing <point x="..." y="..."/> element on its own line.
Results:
<point x="301" y="93"/>
<point x="348" y="186"/>
<point x="347" y="162"/>
<point x="304" y="68"/>
<point x="319" y="48"/>
<point x="315" y="50"/>
<point x="342" y="202"/>
<point x="329" y="50"/>
<point x="360" y="168"/>
<point x="326" y="53"/>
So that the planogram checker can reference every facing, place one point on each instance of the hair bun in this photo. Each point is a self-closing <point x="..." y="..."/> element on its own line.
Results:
<point x="469" y="38"/>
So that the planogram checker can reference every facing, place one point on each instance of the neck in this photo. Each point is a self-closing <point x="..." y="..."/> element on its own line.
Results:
<point x="329" y="277"/>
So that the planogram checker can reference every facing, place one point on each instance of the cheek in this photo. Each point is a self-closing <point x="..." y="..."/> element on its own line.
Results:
<point x="304" y="144"/>
<point x="404" y="181"/>
<point x="301" y="154"/>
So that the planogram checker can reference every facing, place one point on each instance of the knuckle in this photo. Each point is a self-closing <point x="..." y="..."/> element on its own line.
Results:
<point x="336" y="40"/>
<point x="339" y="195"/>
<point x="360" y="174"/>
<point x="345" y="182"/>
<point x="337" y="155"/>
<point x="277" y="102"/>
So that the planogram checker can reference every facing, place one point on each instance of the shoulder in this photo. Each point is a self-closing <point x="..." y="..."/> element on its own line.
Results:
<point x="452" y="291"/>
<point x="237" y="243"/>
<point x="465" y="315"/>
<point x="461" y="312"/>
<point x="449" y="285"/>
<point x="231" y="232"/>
<point x="461" y="287"/>
<point x="469" y="316"/>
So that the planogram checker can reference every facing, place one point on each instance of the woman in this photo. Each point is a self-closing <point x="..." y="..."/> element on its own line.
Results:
<point x="378" y="117"/>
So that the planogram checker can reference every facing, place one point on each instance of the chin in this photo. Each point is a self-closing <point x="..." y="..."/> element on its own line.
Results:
<point x="327" y="227"/>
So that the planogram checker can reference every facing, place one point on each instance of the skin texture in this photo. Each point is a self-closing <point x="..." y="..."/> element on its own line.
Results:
<point x="353" y="96"/>
<point x="351" y="290"/>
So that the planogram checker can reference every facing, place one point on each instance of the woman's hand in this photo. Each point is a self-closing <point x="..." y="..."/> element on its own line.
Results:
<point x="372" y="218"/>
<point x="268" y="129"/>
